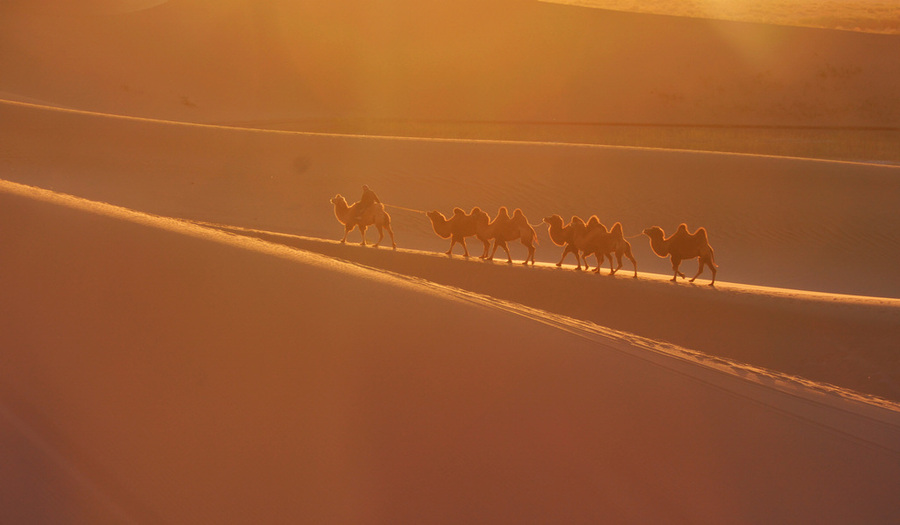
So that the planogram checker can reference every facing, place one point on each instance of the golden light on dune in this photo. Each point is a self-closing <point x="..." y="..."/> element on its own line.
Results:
<point x="872" y="16"/>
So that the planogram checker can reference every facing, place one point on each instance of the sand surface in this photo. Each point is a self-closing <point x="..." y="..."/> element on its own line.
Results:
<point x="185" y="340"/>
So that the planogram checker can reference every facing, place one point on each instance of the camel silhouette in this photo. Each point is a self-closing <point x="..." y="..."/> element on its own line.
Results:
<point x="683" y="245"/>
<point x="374" y="215"/>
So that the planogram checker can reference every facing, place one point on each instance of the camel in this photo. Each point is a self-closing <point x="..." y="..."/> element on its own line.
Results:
<point x="580" y="231"/>
<point x="505" y="228"/>
<point x="683" y="245"/>
<point x="562" y="235"/>
<point x="375" y="215"/>
<point x="603" y="243"/>
<point x="457" y="228"/>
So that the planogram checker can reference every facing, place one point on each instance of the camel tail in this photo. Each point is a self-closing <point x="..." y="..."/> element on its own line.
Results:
<point x="701" y="232"/>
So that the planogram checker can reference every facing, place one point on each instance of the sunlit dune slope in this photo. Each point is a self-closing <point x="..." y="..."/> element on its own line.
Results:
<point x="159" y="372"/>
<point x="789" y="223"/>
<point x="495" y="60"/>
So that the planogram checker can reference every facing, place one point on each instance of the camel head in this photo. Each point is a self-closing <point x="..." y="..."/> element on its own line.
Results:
<point x="553" y="220"/>
<point x="654" y="232"/>
<point x="434" y="215"/>
<point x="338" y="199"/>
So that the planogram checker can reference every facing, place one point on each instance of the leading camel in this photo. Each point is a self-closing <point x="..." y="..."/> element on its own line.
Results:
<point x="505" y="228"/>
<point x="457" y="227"/>
<point x="374" y="215"/>
<point x="683" y="245"/>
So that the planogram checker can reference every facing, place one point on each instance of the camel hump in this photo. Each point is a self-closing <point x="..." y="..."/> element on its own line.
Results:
<point x="617" y="230"/>
<point x="701" y="233"/>
<point x="458" y="211"/>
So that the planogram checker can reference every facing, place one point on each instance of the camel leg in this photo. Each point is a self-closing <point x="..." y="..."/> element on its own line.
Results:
<point x="508" y="255"/>
<point x="699" y="269"/>
<point x="496" y="245"/>
<point x="675" y="264"/>
<point x="380" y="234"/>
<point x="391" y="233"/>
<point x="618" y="265"/>
<point x="707" y="262"/>
<point x="500" y="244"/>
<point x="630" y="255"/>
<point x="347" y="230"/>
<point x="600" y="257"/>
<point x="450" y="250"/>
<point x="362" y="230"/>
<point x="530" y="256"/>
<point x="566" y="251"/>
<point x="465" y="248"/>
<point x="486" y="249"/>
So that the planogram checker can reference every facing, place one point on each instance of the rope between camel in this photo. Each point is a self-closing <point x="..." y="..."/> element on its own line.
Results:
<point x="404" y="208"/>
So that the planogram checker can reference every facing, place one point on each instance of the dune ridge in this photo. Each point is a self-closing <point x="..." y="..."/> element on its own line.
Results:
<point x="773" y="221"/>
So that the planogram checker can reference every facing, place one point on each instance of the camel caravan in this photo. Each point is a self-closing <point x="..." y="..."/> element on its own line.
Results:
<point x="501" y="230"/>
<point x="579" y="237"/>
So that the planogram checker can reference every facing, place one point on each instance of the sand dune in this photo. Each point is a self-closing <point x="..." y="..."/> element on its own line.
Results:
<point x="497" y="60"/>
<point x="191" y="375"/>
<point x="788" y="223"/>
<point x="185" y="341"/>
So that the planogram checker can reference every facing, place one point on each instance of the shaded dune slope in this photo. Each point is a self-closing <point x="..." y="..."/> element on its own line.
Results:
<point x="255" y="403"/>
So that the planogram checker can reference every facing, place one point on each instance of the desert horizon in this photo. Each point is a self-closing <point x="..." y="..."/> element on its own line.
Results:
<point x="186" y="339"/>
